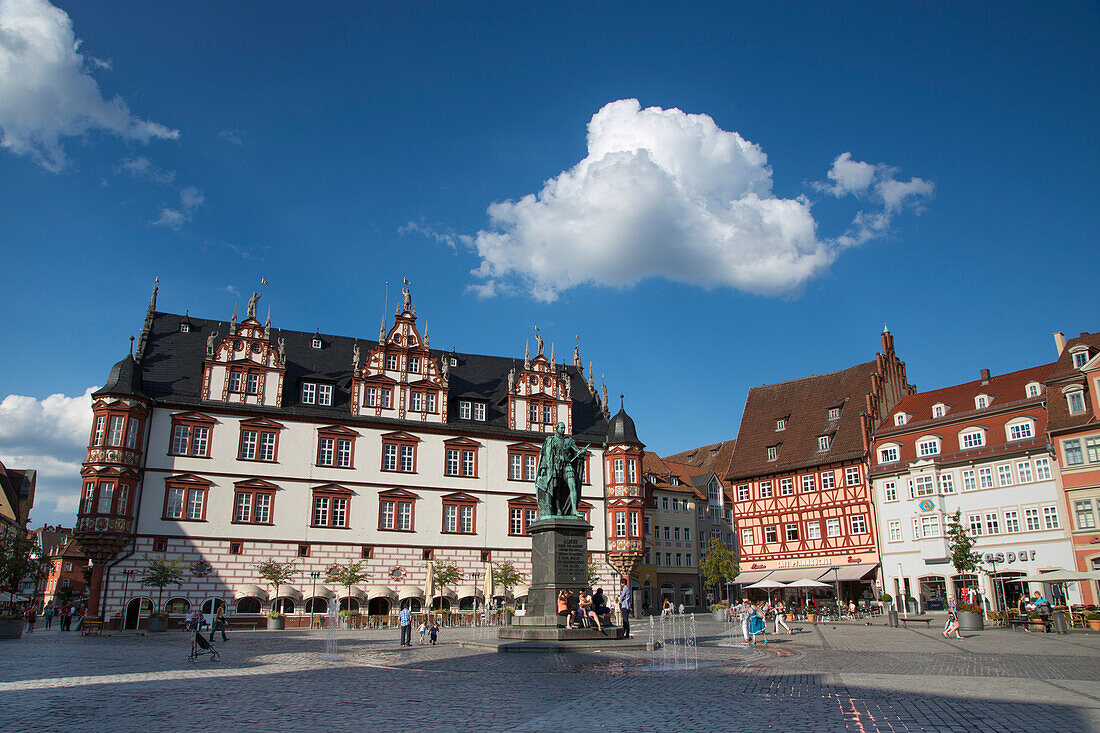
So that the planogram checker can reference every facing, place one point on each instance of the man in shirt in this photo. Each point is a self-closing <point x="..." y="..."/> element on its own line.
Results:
<point x="626" y="601"/>
<point x="404" y="619"/>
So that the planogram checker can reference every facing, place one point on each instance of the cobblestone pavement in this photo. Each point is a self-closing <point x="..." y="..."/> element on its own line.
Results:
<point x="827" y="678"/>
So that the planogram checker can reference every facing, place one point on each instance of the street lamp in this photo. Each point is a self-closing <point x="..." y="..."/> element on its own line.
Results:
<point x="476" y="576"/>
<point x="314" y="574"/>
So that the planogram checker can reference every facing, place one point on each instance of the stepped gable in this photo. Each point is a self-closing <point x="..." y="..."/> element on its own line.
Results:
<point x="1062" y="374"/>
<point x="172" y="367"/>
<point x="1003" y="389"/>
<point x="803" y="404"/>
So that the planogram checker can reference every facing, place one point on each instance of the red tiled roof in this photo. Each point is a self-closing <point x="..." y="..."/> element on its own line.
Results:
<point x="1062" y="374"/>
<point x="1003" y="389"/>
<point x="804" y="404"/>
<point x="663" y="469"/>
<point x="709" y="458"/>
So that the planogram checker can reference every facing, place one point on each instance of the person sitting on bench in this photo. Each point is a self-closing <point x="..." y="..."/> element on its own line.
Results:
<point x="564" y="597"/>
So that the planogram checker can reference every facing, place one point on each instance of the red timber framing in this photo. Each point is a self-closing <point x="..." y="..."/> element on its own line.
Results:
<point x="402" y="364"/>
<point x="825" y="525"/>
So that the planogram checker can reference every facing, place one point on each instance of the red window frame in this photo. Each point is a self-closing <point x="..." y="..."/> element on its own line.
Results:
<point x="336" y="433"/>
<point x="458" y="501"/>
<point x="380" y="383"/>
<point x="107" y="411"/>
<point x="522" y="450"/>
<point x="255" y="487"/>
<point x="463" y="446"/>
<point x="187" y="483"/>
<point x="191" y="420"/>
<point x="399" y="440"/>
<point x="522" y="503"/>
<point x="397" y="497"/>
<point x="330" y="492"/>
<point x="260" y="426"/>
<point x="245" y="372"/>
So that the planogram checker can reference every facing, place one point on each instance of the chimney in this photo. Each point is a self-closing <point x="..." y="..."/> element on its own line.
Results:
<point x="985" y="376"/>
<point x="1059" y="342"/>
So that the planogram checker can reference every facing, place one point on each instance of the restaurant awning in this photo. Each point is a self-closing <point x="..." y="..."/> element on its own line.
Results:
<point x="792" y="574"/>
<point x="249" y="591"/>
<point x="410" y="591"/>
<point x="520" y="591"/>
<point x="323" y="592"/>
<point x="752" y="576"/>
<point x="289" y="591"/>
<point x="355" y="593"/>
<point x="469" y="591"/>
<point x="846" y="572"/>
<point x="380" y="591"/>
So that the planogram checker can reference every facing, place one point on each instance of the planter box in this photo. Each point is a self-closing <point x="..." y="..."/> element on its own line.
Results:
<point x="719" y="614"/>
<point x="11" y="628"/>
<point x="276" y="624"/>
<point x="810" y="617"/>
<point x="1094" y="624"/>
<point x="971" y="621"/>
<point x="156" y="625"/>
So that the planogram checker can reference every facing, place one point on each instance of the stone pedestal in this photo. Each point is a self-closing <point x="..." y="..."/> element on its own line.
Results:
<point x="559" y="560"/>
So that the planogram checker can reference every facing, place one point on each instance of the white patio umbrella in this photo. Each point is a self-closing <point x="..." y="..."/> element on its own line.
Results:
<point x="807" y="583"/>
<point x="765" y="583"/>
<point x="1062" y="576"/>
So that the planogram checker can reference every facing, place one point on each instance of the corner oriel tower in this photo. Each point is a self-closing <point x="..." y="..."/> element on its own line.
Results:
<point x="624" y="494"/>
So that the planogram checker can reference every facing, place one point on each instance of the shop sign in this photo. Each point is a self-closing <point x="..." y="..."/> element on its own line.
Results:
<point x="927" y="505"/>
<point x="1021" y="555"/>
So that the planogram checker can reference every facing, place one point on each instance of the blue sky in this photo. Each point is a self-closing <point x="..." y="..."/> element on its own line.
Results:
<point x="331" y="149"/>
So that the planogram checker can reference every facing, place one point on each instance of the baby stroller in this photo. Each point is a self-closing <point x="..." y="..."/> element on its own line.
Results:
<point x="201" y="647"/>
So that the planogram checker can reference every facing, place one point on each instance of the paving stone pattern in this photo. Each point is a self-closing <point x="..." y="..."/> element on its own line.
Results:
<point x="827" y="678"/>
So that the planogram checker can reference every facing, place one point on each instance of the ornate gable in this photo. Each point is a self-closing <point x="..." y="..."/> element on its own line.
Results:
<point x="245" y="366"/>
<point x="400" y="378"/>
<point x="541" y="395"/>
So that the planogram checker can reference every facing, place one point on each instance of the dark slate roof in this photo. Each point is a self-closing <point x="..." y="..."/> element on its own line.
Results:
<point x="123" y="381"/>
<point x="621" y="431"/>
<point x="803" y="403"/>
<point x="171" y="370"/>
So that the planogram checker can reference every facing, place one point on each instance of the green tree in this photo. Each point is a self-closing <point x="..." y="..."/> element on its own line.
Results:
<point x="161" y="573"/>
<point x="961" y="545"/>
<point x="19" y="558"/>
<point x="507" y="577"/>
<point x="347" y="576"/>
<point x="444" y="573"/>
<point x="591" y="574"/>
<point x="719" y="566"/>
<point x="277" y="574"/>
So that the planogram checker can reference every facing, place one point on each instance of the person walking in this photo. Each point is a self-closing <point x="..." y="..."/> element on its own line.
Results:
<point x="1021" y="609"/>
<point x="744" y="613"/>
<point x="219" y="623"/>
<point x="49" y="616"/>
<point x="626" y="601"/>
<point x="757" y="623"/>
<point x="952" y="622"/>
<point x="433" y="633"/>
<point x="421" y="630"/>
<point x="31" y="616"/>
<point x="780" y="611"/>
<point x="404" y="620"/>
<point x="66" y="617"/>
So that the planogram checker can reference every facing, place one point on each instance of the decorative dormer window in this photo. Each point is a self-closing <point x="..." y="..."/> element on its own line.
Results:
<point x="939" y="410"/>
<point x="773" y="452"/>
<point x="316" y="343"/>
<point x="834" y="413"/>
<point x="981" y="402"/>
<point x="1075" y="399"/>
<point x="901" y="418"/>
<point x="1034" y="389"/>
<point x="822" y="443"/>
<point x="391" y="362"/>
<point x="185" y="328"/>
<point x="453" y="361"/>
<point x="780" y="424"/>
<point x="1080" y="356"/>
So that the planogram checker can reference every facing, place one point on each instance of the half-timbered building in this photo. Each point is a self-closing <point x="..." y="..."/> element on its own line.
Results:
<point x="799" y="475"/>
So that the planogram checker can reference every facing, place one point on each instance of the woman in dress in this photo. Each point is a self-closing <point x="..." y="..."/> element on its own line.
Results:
<point x="757" y="624"/>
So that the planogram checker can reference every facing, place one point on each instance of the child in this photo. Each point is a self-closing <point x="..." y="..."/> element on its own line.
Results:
<point x="434" y="632"/>
<point x="422" y="629"/>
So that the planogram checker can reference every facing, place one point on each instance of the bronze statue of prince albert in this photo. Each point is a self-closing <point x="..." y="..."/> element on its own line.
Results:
<point x="561" y="464"/>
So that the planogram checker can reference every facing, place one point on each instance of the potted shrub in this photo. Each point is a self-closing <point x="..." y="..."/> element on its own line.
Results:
<point x="276" y="574"/>
<point x="1093" y="617"/>
<point x="160" y="573"/>
<point x="810" y="617"/>
<point x="970" y="617"/>
<point x="720" y="610"/>
<point x="911" y="604"/>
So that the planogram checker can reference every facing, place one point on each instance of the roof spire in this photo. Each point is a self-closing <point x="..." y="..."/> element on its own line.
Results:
<point x="621" y="405"/>
<point x="148" y="318"/>
<point x="885" y="328"/>
<point x="382" y="331"/>
<point x="527" y="355"/>
<point x="131" y="346"/>
<point x="233" y="322"/>
<point x="267" y="325"/>
<point x="551" y="352"/>
<point x="591" y="382"/>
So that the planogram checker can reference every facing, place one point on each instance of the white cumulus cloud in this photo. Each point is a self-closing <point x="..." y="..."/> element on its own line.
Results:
<point x="49" y="435"/>
<point x="47" y="92"/>
<point x="143" y="169"/>
<point x="660" y="193"/>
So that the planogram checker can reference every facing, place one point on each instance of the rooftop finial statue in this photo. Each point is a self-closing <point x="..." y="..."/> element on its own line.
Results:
<point x="538" y="341"/>
<point x="406" y="298"/>
<point x="252" y="304"/>
<point x="557" y="488"/>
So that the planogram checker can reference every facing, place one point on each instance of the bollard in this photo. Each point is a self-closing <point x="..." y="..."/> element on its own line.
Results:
<point x="892" y="618"/>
